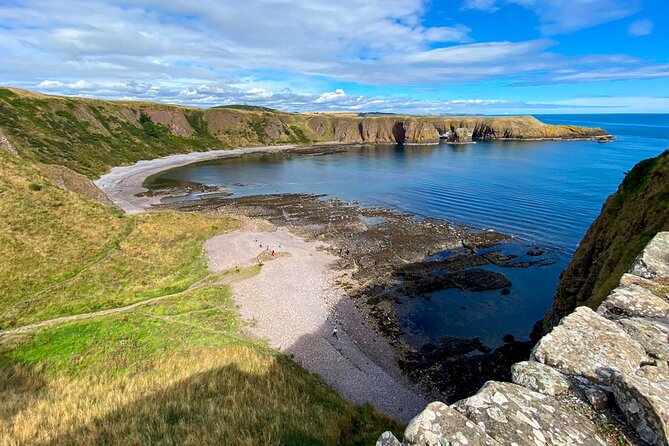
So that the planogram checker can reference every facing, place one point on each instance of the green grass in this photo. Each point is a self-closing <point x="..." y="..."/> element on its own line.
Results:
<point x="178" y="370"/>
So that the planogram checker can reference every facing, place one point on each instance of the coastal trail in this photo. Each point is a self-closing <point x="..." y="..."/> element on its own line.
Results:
<point x="294" y="305"/>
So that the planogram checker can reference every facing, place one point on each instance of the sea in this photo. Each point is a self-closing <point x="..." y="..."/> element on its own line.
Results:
<point x="543" y="193"/>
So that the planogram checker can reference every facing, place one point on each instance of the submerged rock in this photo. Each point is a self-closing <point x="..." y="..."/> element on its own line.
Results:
<point x="512" y="414"/>
<point x="440" y="424"/>
<point x="589" y="345"/>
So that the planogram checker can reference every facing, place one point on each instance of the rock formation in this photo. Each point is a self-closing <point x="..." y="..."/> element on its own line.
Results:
<point x="618" y="355"/>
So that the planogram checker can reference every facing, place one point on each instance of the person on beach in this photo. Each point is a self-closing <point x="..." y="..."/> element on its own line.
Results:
<point x="272" y="253"/>
<point x="335" y="333"/>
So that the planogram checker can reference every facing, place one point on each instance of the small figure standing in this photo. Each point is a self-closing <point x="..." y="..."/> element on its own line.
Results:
<point x="335" y="333"/>
<point x="272" y="253"/>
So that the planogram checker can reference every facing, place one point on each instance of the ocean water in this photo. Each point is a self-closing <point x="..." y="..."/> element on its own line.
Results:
<point x="544" y="193"/>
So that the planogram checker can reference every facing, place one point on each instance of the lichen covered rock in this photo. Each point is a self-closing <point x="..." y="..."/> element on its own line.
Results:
<point x="514" y="415"/>
<point x="652" y="335"/>
<point x="589" y="345"/>
<point x="388" y="439"/>
<point x="645" y="403"/>
<point x="653" y="262"/>
<point x="440" y="424"/>
<point x="633" y="300"/>
<point x="539" y="377"/>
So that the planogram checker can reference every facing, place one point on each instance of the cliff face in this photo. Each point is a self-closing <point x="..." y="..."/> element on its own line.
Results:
<point x="90" y="136"/>
<point x="629" y="219"/>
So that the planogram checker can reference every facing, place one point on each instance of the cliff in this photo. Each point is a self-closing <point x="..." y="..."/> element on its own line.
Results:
<point x="90" y="136"/>
<point x="629" y="219"/>
<point x="587" y="370"/>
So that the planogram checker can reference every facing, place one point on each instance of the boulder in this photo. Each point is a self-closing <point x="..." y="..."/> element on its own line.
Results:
<point x="539" y="377"/>
<point x="658" y="287"/>
<point x="653" y="262"/>
<point x="644" y="401"/>
<point x="439" y="424"/>
<point x="587" y="344"/>
<point x="652" y="335"/>
<point x="388" y="439"/>
<point x="633" y="300"/>
<point x="514" y="415"/>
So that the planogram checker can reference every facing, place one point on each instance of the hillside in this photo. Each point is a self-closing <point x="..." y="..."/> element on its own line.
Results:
<point x="90" y="136"/>
<point x="629" y="219"/>
<point x="176" y="369"/>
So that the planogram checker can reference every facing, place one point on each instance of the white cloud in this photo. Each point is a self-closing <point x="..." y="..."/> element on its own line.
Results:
<point x="213" y="50"/>
<point x="639" y="28"/>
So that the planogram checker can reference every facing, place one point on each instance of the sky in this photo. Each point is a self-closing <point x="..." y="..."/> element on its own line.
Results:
<point x="403" y="56"/>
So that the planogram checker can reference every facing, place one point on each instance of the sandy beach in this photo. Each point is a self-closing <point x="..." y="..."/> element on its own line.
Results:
<point x="294" y="305"/>
<point x="123" y="183"/>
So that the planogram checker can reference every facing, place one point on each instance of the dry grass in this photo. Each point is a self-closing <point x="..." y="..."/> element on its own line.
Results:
<point x="177" y="372"/>
<point x="46" y="235"/>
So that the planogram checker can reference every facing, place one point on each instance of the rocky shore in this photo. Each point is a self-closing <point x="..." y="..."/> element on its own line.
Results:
<point x="385" y="257"/>
<point x="598" y="378"/>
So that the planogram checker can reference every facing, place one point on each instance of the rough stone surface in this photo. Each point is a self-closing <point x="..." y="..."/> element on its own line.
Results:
<point x="586" y="344"/>
<point x="440" y="424"/>
<point x="6" y="145"/>
<point x="514" y="415"/>
<point x="388" y="439"/>
<point x="539" y="377"/>
<point x="653" y="262"/>
<point x="652" y="335"/>
<point x="645" y="404"/>
<point x="633" y="300"/>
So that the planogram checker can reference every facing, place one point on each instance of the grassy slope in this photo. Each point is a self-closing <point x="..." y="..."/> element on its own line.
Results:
<point x="178" y="371"/>
<point x="629" y="219"/>
<point x="90" y="136"/>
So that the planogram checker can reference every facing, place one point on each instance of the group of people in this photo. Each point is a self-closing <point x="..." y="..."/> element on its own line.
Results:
<point x="267" y="248"/>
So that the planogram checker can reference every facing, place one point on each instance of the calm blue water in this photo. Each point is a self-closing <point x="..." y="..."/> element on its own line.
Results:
<point x="544" y="193"/>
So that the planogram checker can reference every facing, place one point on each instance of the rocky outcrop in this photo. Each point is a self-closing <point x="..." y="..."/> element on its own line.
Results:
<point x="514" y="414"/>
<point x="6" y="145"/>
<point x="615" y="356"/>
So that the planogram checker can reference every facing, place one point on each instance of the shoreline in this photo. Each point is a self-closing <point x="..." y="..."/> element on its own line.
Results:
<point x="123" y="183"/>
<point x="294" y="304"/>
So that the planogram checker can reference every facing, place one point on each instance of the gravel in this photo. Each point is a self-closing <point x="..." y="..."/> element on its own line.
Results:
<point x="294" y="304"/>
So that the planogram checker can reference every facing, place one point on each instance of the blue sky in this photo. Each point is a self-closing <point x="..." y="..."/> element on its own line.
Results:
<point x="448" y="56"/>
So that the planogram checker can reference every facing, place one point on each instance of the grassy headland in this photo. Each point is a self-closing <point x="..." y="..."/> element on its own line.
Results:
<point x="90" y="136"/>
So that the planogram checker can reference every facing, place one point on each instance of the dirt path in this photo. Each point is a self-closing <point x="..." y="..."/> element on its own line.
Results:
<point x="293" y="304"/>
<point x="75" y="317"/>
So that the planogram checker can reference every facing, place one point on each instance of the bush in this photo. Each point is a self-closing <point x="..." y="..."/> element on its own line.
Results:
<point x="35" y="187"/>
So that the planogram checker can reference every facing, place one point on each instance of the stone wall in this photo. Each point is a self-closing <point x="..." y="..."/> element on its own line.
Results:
<point x="592" y="363"/>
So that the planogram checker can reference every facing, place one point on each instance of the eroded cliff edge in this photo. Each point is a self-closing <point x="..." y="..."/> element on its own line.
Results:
<point x="90" y="136"/>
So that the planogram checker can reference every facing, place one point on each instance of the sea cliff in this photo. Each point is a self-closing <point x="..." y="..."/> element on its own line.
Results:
<point x="90" y="136"/>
